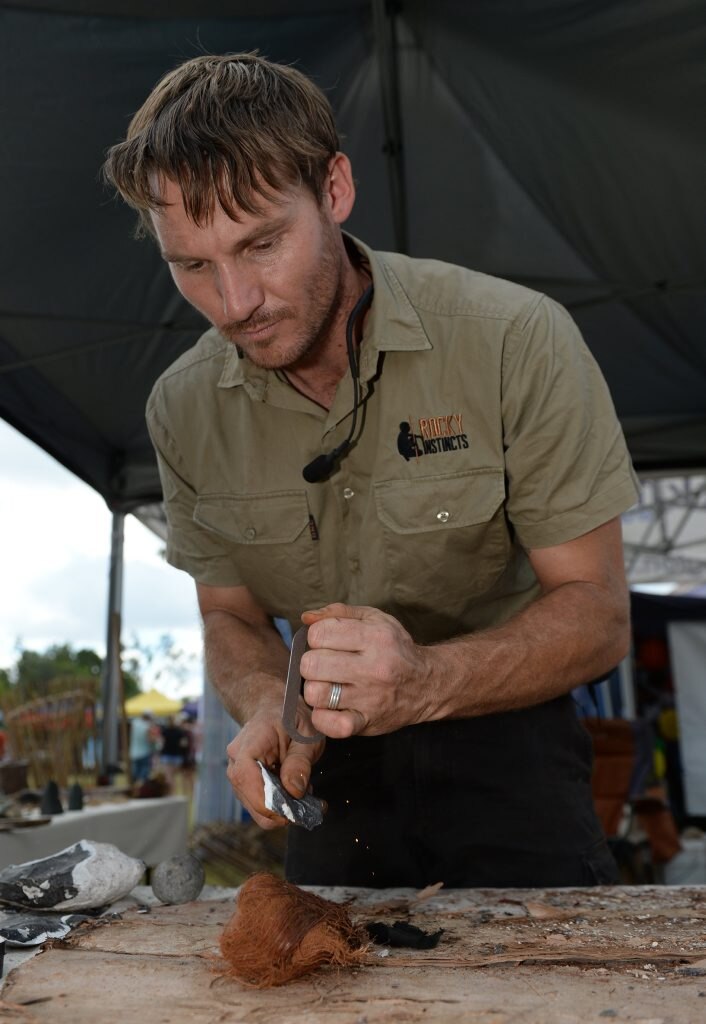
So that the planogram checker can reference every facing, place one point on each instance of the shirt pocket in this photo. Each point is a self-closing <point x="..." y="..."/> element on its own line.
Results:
<point x="446" y="538"/>
<point x="272" y="545"/>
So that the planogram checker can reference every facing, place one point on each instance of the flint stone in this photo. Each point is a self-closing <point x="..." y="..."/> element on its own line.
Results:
<point x="84" y="875"/>
<point x="307" y="811"/>
<point x="34" y="929"/>
<point x="51" y="801"/>
<point x="76" y="797"/>
<point x="179" y="879"/>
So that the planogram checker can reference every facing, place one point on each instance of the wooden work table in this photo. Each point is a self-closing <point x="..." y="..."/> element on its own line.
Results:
<point x="550" y="956"/>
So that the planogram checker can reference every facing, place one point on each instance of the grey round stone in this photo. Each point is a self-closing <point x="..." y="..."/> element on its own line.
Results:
<point x="179" y="879"/>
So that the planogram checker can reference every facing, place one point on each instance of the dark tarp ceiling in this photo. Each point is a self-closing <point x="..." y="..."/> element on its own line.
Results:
<point x="559" y="143"/>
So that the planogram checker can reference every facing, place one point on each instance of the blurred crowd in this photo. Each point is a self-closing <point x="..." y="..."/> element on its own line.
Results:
<point x="165" y="747"/>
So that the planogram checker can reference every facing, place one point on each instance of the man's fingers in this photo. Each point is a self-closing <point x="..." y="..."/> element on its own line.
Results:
<point x="245" y="777"/>
<point x="337" y="632"/>
<point x="354" y="633"/>
<point x="317" y="694"/>
<point x="339" y="725"/>
<point x="338" y="666"/>
<point x="295" y="771"/>
<point x="337" y="608"/>
<point x="272" y="821"/>
<point x="263" y="740"/>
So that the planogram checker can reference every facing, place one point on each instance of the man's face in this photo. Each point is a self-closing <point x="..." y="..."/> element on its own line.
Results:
<point x="271" y="283"/>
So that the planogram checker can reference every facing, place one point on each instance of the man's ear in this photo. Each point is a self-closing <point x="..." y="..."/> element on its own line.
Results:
<point x="339" y="188"/>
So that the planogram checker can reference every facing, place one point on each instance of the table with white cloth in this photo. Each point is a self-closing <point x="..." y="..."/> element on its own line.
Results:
<point x="151" y="830"/>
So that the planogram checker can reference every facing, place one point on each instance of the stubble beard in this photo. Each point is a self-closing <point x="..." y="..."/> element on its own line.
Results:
<point x="321" y="306"/>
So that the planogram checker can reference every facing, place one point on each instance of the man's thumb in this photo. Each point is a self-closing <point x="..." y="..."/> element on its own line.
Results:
<point x="295" y="773"/>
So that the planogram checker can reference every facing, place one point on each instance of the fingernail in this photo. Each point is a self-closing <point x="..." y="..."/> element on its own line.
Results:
<point x="298" y="785"/>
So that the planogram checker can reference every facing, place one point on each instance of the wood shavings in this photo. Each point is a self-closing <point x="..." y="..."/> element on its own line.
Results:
<point x="427" y="893"/>
<point x="545" y="912"/>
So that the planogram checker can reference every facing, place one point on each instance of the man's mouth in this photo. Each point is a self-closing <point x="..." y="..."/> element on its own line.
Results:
<point x="252" y="333"/>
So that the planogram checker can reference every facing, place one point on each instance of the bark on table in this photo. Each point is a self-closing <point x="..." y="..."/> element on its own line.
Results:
<point x="561" y="956"/>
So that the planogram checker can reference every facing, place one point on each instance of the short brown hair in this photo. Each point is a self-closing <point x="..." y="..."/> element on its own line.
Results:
<point x="226" y="129"/>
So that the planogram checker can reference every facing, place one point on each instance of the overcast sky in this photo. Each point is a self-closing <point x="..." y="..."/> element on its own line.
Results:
<point x="54" y="553"/>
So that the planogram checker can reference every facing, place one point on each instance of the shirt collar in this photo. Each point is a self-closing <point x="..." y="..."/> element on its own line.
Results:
<point x="392" y="325"/>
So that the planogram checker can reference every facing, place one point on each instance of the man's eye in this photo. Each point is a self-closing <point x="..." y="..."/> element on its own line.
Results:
<point x="267" y="245"/>
<point x="192" y="267"/>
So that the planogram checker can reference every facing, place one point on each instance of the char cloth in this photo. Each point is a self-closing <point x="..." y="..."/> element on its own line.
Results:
<point x="402" y="933"/>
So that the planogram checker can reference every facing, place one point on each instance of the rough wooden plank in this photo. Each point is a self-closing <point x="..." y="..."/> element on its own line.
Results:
<point x="535" y="957"/>
<point x="168" y="931"/>
<point x="82" y="987"/>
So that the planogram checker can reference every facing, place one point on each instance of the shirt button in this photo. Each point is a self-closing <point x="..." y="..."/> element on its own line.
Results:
<point x="250" y="533"/>
<point x="443" y="516"/>
<point x="348" y="493"/>
<point x="354" y="565"/>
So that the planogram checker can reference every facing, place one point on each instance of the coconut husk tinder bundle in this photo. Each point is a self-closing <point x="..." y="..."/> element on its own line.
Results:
<point x="280" y="932"/>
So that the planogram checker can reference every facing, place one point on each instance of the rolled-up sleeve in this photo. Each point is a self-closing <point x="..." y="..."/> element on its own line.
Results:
<point x="207" y="557"/>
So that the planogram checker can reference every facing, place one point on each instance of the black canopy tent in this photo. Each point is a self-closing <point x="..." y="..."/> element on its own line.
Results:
<point x="558" y="143"/>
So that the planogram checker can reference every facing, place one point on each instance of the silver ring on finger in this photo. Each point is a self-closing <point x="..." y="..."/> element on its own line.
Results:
<point x="335" y="696"/>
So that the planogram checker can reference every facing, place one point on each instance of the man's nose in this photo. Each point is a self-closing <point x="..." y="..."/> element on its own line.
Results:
<point x="240" y="291"/>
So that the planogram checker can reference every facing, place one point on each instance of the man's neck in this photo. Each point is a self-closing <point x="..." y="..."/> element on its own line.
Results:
<point x="317" y="377"/>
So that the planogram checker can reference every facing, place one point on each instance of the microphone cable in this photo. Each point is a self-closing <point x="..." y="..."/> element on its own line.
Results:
<point x="323" y="465"/>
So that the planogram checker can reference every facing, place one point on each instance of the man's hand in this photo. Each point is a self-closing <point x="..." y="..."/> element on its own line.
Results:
<point x="263" y="738"/>
<point x="384" y="675"/>
<point x="577" y="630"/>
<point x="247" y="662"/>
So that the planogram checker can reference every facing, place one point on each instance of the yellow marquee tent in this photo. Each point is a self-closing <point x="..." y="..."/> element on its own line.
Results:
<point x="153" y="701"/>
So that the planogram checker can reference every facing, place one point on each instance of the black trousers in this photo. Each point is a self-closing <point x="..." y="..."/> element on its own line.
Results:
<point x="503" y="800"/>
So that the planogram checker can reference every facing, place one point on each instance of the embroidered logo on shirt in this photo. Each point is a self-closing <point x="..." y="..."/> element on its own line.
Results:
<point x="431" y="435"/>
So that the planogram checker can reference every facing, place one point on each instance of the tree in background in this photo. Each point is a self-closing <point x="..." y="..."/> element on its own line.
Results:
<point x="49" y="698"/>
<point x="161" y="664"/>
<point x="34" y="672"/>
<point x="5" y="681"/>
<point x="164" y="664"/>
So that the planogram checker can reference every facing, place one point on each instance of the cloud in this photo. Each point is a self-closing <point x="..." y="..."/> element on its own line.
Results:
<point x="70" y="604"/>
<point x="55" y="554"/>
<point x="65" y="605"/>
<point x="23" y="461"/>
<point x="159" y="597"/>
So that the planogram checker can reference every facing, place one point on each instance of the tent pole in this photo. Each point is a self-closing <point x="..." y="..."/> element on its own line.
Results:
<point x="111" y="665"/>
<point x="386" y="49"/>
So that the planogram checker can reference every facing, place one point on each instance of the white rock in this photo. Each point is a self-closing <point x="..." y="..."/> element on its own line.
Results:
<point x="84" y="875"/>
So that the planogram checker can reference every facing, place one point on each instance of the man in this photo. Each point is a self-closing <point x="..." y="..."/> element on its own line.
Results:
<point x="143" y="746"/>
<point x="458" y="563"/>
